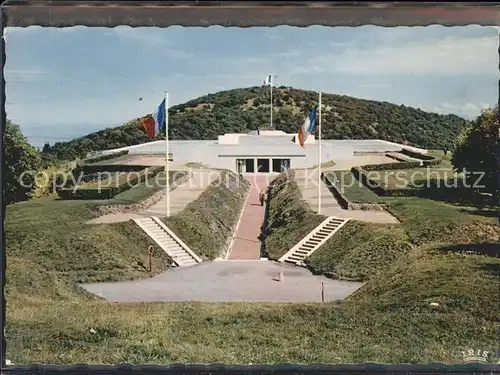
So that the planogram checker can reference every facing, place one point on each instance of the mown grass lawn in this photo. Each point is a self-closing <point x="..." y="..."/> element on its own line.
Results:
<point x="438" y="254"/>
<point x="49" y="239"/>
<point x="359" y="251"/>
<point x="289" y="218"/>
<point x="50" y="250"/>
<point x="414" y="178"/>
<point x="242" y="333"/>
<point x="206" y="224"/>
<point x="389" y="320"/>
<point x="146" y="189"/>
<point x="352" y="189"/>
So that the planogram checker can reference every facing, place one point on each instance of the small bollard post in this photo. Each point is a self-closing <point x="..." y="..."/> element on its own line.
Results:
<point x="282" y="277"/>
<point x="322" y="291"/>
<point x="150" y="255"/>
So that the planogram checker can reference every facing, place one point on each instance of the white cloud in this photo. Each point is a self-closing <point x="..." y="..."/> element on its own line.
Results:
<point x="354" y="66"/>
<point x="142" y="35"/>
<point x="467" y="110"/>
<point x="446" y="56"/>
<point x="151" y="38"/>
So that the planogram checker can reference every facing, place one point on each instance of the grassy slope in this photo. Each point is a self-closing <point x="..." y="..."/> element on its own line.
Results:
<point x="356" y="252"/>
<point x="50" y="248"/>
<point x="352" y="189"/>
<point x="48" y="242"/>
<point x="241" y="333"/>
<point x="206" y="223"/>
<point x="465" y="285"/>
<point x="145" y="189"/>
<point x="428" y="221"/>
<point x="437" y="254"/>
<point x="359" y="251"/>
<point x="459" y="280"/>
<point x="289" y="218"/>
<point x="244" y="109"/>
<point x="412" y="178"/>
<point x="387" y="321"/>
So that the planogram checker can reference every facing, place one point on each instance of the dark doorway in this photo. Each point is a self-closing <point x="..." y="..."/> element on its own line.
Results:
<point x="245" y="166"/>
<point x="277" y="165"/>
<point x="281" y="165"/>
<point x="249" y="165"/>
<point x="263" y="165"/>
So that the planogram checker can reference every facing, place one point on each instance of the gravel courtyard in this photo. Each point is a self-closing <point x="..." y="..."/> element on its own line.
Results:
<point x="227" y="281"/>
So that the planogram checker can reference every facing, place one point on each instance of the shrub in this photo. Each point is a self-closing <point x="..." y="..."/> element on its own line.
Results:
<point x="391" y="166"/>
<point x="289" y="218"/>
<point x="87" y="173"/>
<point x="20" y="161"/>
<point x="358" y="172"/>
<point x="111" y="168"/>
<point x="431" y="162"/>
<point x="400" y="158"/>
<point x="207" y="224"/>
<point x="97" y="159"/>
<point x="417" y="155"/>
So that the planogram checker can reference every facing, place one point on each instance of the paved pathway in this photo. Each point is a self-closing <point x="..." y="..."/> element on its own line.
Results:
<point x="180" y="197"/>
<point x="228" y="281"/>
<point x="307" y="180"/>
<point x="246" y="245"/>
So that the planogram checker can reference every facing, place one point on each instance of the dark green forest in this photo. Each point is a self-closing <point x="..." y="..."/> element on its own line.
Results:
<point x="246" y="109"/>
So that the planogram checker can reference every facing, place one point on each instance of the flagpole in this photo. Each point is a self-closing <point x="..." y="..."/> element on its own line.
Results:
<point x="167" y="169"/>
<point x="319" y="155"/>
<point x="272" y="81"/>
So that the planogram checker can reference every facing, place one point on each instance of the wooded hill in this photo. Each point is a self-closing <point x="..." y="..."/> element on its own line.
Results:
<point x="246" y="109"/>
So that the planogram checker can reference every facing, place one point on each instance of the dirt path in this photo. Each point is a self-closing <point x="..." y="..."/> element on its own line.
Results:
<point x="180" y="197"/>
<point x="246" y="245"/>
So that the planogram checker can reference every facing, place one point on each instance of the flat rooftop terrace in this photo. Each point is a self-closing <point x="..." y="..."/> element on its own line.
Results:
<point x="229" y="148"/>
<point x="252" y="145"/>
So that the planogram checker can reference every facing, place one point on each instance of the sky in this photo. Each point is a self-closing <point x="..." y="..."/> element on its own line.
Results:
<point x="68" y="82"/>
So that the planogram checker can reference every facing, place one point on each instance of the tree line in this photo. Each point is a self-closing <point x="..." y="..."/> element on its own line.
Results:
<point x="475" y="144"/>
<point x="246" y="109"/>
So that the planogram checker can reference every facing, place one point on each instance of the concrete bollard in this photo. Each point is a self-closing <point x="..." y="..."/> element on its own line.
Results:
<point x="282" y="276"/>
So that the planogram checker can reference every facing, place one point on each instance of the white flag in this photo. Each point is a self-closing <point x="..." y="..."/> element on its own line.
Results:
<point x="268" y="80"/>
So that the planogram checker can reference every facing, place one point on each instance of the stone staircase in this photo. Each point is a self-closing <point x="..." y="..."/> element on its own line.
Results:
<point x="310" y="243"/>
<point x="181" y="254"/>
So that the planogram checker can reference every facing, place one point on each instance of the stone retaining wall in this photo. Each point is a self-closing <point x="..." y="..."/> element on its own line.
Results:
<point x="369" y="153"/>
<point x="403" y="158"/>
<point x="397" y="157"/>
<point x="155" y="198"/>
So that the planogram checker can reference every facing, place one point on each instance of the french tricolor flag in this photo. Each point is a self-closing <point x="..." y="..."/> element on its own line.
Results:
<point x="308" y="126"/>
<point x="153" y="123"/>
